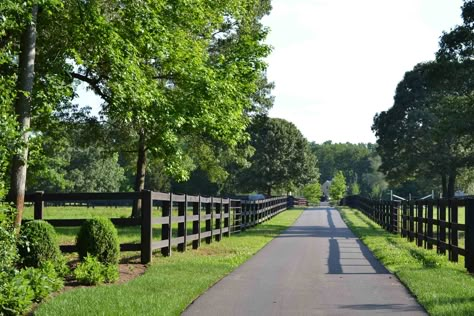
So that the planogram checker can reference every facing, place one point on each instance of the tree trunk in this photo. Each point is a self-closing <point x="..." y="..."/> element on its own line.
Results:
<point x="444" y="185"/>
<point x="26" y="76"/>
<point x="269" y="191"/>
<point x="451" y="184"/>
<point x="140" y="174"/>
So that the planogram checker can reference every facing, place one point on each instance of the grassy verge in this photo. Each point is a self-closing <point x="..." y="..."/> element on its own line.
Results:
<point x="442" y="287"/>
<point x="170" y="284"/>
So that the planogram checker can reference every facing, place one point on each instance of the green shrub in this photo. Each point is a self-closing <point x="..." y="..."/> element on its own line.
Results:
<point x="98" y="237"/>
<point x="8" y="249"/>
<point x="111" y="273"/>
<point x="43" y="281"/>
<point x="16" y="294"/>
<point x="39" y="244"/>
<point x="91" y="272"/>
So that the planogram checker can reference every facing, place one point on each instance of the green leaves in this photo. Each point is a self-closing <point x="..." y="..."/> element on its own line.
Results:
<point x="282" y="158"/>
<point x="425" y="132"/>
<point x="337" y="190"/>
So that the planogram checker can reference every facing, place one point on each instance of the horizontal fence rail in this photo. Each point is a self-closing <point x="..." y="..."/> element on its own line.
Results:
<point x="429" y="223"/>
<point x="209" y="218"/>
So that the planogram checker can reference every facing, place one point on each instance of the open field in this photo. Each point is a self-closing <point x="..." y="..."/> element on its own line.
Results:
<point x="171" y="284"/>
<point x="442" y="287"/>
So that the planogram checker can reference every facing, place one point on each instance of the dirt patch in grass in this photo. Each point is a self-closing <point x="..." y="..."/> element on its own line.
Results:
<point x="128" y="272"/>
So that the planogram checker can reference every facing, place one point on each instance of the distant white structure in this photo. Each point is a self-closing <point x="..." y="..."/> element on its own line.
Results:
<point x="459" y="193"/>
<point x="325" y="188"/>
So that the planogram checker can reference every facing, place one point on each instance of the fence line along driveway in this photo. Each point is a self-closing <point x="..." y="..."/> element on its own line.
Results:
<point x="317" y="267"/>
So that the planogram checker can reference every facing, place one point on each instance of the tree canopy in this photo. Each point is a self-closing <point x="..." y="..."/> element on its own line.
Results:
<point x="282" y="160"/>
<point x="426" y="131"/>
<point x="338" y="187"/>
<point x="168" y="72"/>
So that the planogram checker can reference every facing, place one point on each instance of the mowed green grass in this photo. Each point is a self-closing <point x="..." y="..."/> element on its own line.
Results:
<point x="442" y="287"/>
<point x="170" y="284"/>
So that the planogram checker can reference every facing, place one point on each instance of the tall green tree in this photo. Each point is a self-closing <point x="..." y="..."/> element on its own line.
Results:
<point x="22" y="24"/>
<point x="458" y="44"/>
<point x="425" y="132"/>
<point x="282" y="159"/>
<point x="166" y="70"/>
<point x="312" y="192"/>
<point x="338" y="187"/>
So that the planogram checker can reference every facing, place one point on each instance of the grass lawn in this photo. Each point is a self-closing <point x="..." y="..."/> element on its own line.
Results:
<point x="442" y="287"/>
<point x="170" y="284"/>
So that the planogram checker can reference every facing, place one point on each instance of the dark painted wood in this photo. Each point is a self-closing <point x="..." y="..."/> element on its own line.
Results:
<point x="39" y="205"/>
<point x="197" y="223"/>
<point x="182" y="207"/>
<point x="146" y="229"/>
<point x="469" y="258"/>
<point x="419" y="223"/>
<point x="453" y="254"/>
<point x="429" y="228"/>
<point x="166" y="230"/>
<point x="209" y="207"/>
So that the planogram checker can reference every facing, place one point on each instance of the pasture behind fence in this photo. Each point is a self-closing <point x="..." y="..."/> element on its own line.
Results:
<point x="210" y="218"/>
<point x="447" y="224"/>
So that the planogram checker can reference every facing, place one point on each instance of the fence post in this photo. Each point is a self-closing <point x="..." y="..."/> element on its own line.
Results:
<point x="469" y="209"/>
<point x="218" y="223"/>
<point x="429" y="231"/>
<point x="419" y="223"/>
<point x="395" y="205"/>
<point x="39" y="205"/>
<point x="166" y="229"/>
<point x="182" y="210"/>
<point x="411" y="229"/>
<point x="146" y="229"/>
<point x="227" y="219"/>
<point x="197" y="224"/>
<point x="442" y="226"/>
<point x="209" y="212"/>
<point x="453" y="253"/>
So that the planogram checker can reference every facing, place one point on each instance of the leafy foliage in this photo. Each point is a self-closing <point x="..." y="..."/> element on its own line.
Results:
<point x="8" y="250"/>
<point x="16" y="294"/>
<point x="312" y="192"/>
<point x="426" y="132"/>
<point x="458" y="44"/>
<point x="98" y="237"/>
<point x="337" y="190"/>
<point x="43" y="281"/>
<point x="282" y="158"/>
<point x="39" y="244"/>
<point x="91" y="272"/>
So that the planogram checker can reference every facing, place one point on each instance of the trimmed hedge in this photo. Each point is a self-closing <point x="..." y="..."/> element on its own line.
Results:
<point x="98" y="237"/>
<point x="39" y="244"/>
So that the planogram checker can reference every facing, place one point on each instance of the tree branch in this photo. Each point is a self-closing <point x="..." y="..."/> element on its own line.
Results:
<point x="94" y="84"/>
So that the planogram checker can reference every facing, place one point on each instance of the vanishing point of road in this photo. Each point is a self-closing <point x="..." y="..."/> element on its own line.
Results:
<point x="316" y="267"/>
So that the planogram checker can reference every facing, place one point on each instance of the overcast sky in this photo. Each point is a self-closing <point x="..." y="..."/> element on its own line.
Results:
<point x="336" y="63"/>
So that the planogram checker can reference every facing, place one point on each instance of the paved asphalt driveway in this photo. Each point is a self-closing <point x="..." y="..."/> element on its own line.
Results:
<point x="316" y="267"/>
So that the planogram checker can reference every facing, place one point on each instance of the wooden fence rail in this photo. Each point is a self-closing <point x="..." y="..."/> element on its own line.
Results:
<point x="428" y="223"/>
<point x="211" y="219"/>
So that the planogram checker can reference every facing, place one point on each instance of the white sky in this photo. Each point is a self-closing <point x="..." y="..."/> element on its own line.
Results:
<point x="336" y="63"/>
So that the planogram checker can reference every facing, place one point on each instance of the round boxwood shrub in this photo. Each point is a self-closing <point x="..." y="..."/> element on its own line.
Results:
<point x="98" y="237"/>
<point x="39" y="244"/>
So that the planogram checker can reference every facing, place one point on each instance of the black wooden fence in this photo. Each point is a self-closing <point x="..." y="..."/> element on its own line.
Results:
<point x="211" y="219"/>
<point x="429" y="223"/>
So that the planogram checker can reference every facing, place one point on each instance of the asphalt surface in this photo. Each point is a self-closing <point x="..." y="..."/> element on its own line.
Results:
<point x="316" y="267"/>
